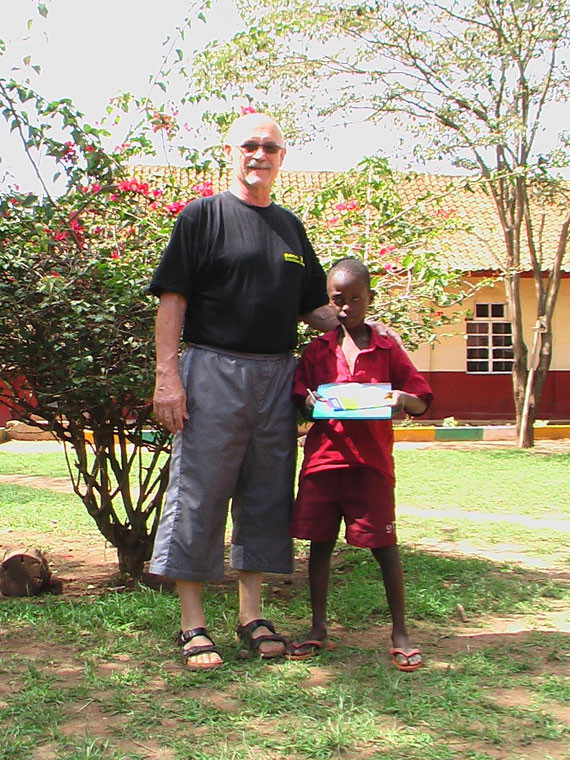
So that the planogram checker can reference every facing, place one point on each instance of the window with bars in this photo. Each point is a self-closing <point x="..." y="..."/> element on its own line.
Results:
<point x="489" y="339"/>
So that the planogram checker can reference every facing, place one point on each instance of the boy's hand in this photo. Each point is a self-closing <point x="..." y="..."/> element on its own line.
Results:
<point x="310" y="402"/>
<point x="406" y="402"/>
<point x="396" y="400"/>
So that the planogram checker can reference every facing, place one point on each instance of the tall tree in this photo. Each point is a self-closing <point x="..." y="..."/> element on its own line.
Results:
<point x="475" y="81"/>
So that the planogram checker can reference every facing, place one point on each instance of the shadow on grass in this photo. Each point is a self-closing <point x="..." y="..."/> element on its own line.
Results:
<point x="435" y="585"/>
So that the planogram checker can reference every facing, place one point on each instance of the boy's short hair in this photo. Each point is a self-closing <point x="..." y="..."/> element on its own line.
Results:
<point x="353" y="266"/>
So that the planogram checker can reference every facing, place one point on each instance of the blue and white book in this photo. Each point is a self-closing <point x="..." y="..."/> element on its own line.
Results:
<point x="353" y="401"/>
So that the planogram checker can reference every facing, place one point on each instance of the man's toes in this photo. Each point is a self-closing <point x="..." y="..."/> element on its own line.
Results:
<point x="273" y="648"/>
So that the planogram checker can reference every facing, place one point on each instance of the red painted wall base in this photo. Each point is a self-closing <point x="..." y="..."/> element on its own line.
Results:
<point x="474" y="397"/>
<point x="490" y="397"/>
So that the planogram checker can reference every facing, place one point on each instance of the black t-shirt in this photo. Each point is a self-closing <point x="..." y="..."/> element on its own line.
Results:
<point x="247" y="273"/>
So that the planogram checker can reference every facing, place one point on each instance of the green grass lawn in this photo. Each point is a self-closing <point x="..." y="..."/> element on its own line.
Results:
<point x="488" y="481"/>
<point x="96" y="677"/>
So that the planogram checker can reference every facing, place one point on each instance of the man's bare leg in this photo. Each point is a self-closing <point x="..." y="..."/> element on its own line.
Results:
<point x="249" y="586"/>
<point x="192" y="616"/>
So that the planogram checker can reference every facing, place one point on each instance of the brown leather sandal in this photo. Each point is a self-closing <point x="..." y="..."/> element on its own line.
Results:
<point x="186" y="652"/>
<point x="244" y="634"/>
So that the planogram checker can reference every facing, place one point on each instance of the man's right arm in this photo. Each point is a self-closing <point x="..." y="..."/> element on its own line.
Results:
<point x="169" y="395"/>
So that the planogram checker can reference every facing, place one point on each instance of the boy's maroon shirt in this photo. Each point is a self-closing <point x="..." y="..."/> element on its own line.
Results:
<point x="332" y="444"/>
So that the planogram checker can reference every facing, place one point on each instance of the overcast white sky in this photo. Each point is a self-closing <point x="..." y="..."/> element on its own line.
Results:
<point x="89" y="51"/>
<point x="92" y="50"/>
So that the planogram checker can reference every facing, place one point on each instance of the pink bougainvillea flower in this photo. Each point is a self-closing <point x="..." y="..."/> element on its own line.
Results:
<point x="161" y="121"/>
<point x="156" y="193"/>
<point x="95" y="188"/>
<point x="69" y="153"/>
<point x="332" y="222"/>
<point x="247" y="109"/>
<point x="350" y="205"/>
<point x="176" y="207"/>
<point x="115" y="255"/>
<point x="132" y="186"/>
<point x="204" y="189"/>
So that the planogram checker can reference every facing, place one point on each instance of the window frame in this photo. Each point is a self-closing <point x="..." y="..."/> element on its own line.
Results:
<point x="490" y="336"/>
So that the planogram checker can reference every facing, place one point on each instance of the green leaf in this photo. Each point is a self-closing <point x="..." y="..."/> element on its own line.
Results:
<point x="42" y="10"/>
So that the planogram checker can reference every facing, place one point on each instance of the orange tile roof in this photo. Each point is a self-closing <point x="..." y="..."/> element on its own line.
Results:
<point x="477" y="247"/>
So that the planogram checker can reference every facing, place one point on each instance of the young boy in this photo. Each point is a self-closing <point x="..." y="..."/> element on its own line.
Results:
<point x="348" y="470"/>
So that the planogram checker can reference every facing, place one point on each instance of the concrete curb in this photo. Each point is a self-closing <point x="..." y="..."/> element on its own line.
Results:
<point x="474" y="433"/>
<point x="426" y="433"/>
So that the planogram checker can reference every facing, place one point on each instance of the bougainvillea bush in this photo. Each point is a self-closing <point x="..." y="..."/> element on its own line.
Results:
<point x="76" y="347"/>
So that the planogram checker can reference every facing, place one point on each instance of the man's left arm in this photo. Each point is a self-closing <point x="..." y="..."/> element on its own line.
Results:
<point x="323" y="319"/>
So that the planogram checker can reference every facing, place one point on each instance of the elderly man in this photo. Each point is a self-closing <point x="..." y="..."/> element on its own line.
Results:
<point x="237" y="275"/>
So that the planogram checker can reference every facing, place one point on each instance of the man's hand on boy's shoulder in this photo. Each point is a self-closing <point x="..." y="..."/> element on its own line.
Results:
<point x="384" y="330"/>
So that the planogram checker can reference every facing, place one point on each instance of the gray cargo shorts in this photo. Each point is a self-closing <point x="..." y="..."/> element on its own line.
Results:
<point x="238" y="444"/>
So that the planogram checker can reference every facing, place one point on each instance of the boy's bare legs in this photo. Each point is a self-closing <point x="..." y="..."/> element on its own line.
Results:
<point x="249" y="586"/>
<point x="319" y="572"/>
<point x="393" y="575"/>
<point x="192" y="616"/>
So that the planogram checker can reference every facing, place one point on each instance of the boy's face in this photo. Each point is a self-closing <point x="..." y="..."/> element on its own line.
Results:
<point x="349" y="297"/>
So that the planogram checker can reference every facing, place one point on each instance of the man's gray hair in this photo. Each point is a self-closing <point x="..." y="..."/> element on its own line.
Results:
<point x="240" y="129"/>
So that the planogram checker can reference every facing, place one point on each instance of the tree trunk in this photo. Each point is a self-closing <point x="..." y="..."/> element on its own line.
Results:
<point x="132" y="556"/>
<point x="520" y="351"/>
<point x="23" y="572"/>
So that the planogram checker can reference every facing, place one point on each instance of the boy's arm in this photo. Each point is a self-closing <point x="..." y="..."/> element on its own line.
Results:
<point x="411" y="391"/>
<point x="304" y="381"/>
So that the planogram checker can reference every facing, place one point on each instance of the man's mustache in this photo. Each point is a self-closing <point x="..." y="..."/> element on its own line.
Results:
<point x="258" y="165"/>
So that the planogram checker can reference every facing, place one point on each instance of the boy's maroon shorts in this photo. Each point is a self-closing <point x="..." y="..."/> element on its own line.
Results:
<point x="360" y="495"/>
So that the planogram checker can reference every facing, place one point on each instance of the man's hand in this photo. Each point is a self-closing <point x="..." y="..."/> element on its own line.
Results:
<point x="169" y="402"/>
<point x="383" y="329"/>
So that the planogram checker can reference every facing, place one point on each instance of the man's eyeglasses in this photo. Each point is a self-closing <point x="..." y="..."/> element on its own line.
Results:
<point x="250" y="146"/>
